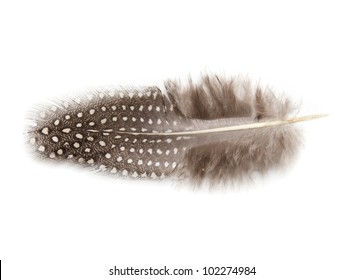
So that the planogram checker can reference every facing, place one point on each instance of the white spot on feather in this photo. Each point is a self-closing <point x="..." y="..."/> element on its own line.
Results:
<point x="113" y="170"/>
<point x="45" y="130"/>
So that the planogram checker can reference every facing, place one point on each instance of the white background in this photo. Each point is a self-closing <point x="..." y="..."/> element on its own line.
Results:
<point x="61" y="222"/>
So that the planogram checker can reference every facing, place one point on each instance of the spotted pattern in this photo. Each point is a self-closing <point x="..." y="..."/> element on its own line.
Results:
<point x="94" y="131"/>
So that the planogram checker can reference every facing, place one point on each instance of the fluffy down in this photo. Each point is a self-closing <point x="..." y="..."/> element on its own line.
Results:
<point x="237" y="155"/>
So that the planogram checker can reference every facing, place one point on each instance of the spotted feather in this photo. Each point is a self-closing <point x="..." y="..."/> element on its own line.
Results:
<point x="217" y="130"/>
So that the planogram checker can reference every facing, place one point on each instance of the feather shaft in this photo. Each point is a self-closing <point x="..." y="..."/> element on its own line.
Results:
<point x="231" y="128"/>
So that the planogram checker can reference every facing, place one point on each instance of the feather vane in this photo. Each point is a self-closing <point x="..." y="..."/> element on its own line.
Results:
<point x="217" y="130"/>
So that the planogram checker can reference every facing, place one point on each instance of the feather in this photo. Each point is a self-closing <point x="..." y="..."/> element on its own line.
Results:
<point x="217" y="130"/>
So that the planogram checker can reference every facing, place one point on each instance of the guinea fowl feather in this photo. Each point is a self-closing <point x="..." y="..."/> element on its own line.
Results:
<point x="217" y="130"/>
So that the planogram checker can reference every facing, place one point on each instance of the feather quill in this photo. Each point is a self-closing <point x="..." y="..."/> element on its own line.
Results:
<point x="217" y="130"/>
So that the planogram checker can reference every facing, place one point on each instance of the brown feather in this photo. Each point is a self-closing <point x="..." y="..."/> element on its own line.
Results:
<point x="147" y="133"/>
